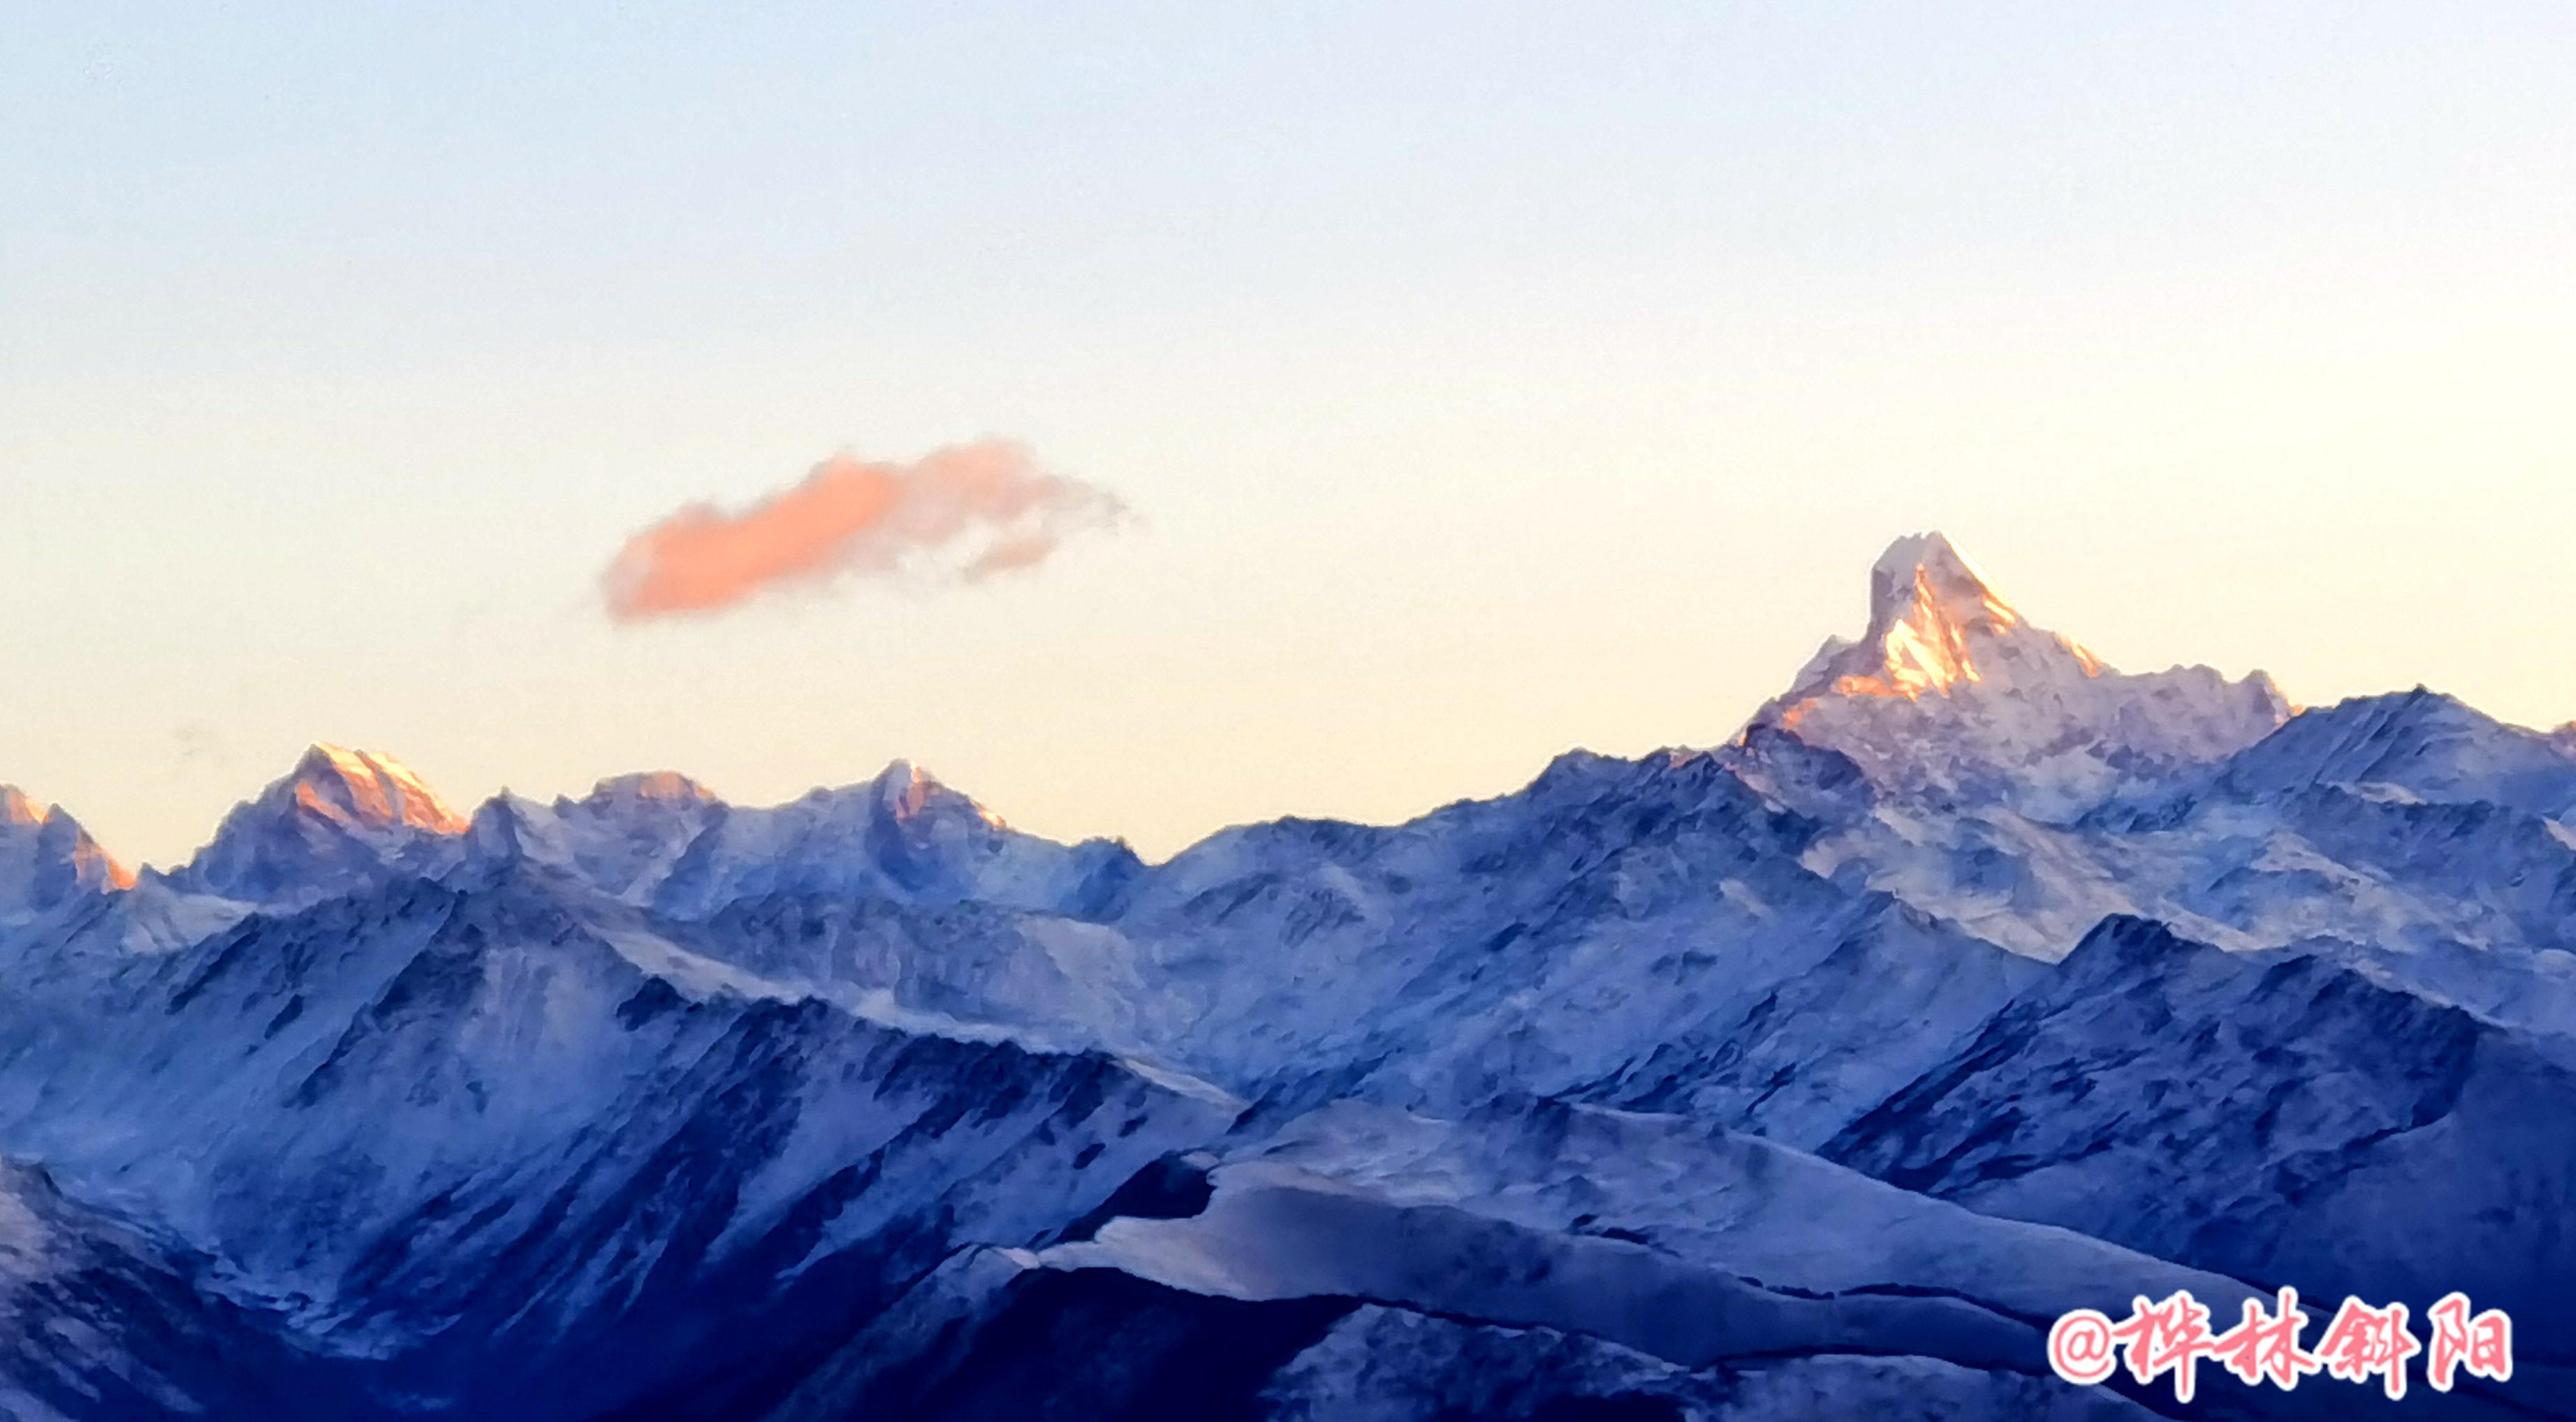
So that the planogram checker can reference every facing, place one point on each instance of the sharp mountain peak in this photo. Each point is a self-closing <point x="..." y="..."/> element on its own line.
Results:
<point x="364" y="787"/>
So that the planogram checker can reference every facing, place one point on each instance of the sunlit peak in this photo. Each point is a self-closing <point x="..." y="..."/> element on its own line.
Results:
<point x="668" y="786"/>
<point x="906" y="790"/>
<point x="1930" y="610"/>
<point x="17" y="809"/>
<point x="361" y="786"/>
<point x="1936" y="625"/>
<point x="58" y="833"/>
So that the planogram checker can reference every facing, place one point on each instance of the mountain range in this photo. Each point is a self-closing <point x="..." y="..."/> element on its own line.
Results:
<point x="1812" y="1073"/>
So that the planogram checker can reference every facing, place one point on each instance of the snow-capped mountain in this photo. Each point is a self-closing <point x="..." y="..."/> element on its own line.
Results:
<point x="1807" y="1075"/>
<point x="340" y="819"/>
<point x="1949" y="693"/>
<point x="47" y="859"/>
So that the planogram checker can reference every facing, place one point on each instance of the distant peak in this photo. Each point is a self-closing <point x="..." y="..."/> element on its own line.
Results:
<point x="907" y="791"/>
<point x="1929" y="549"/>
<point x="655" y="786"/>
<point x="1951" y="687"/>
<point x="366" y="788"/>
<point x="324" y="758"/>
<point x="59" y="839"/>
<point x="905" y="788"/>
<point x="1930" y="607"/>
<point x="1923" y="571"/>
<point x="17" y="809"/>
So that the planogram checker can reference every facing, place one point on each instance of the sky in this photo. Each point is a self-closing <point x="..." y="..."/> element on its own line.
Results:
<point x="1469" y="382"/>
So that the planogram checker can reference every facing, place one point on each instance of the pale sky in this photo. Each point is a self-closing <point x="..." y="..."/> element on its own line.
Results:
<point x="1484" y="380"/>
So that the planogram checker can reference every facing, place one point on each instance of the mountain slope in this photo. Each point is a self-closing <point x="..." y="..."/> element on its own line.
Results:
<point x="487" y="1132"/>
<point x="97" y="1319"/>
<point x="2272" y="1116"/>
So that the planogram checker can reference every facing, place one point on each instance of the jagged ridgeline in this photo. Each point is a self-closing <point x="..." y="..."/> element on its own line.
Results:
<point x="1809" y="1075"/>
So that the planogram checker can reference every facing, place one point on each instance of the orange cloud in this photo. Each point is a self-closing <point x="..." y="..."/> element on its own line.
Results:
<point x="968" y="512"/>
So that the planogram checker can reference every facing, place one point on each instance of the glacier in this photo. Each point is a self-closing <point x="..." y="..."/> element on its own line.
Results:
<point x="1808" y="1073"/>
